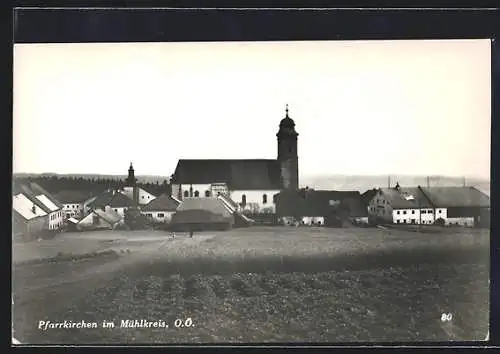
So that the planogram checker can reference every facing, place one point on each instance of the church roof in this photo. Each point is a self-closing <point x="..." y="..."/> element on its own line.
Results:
<point x="254" y="174"/>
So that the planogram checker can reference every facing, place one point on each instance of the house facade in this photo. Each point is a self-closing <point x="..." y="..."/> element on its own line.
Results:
<point x="113" y="199"/>
<point x="99" y="219"/>
<point x="419" y="205"/>
<point x="28" y="219"/>
<point x="252" y="183"/>
<point x="73" y="203"/>
<point x="161" y="209"/>
<point x="45" y="201"/>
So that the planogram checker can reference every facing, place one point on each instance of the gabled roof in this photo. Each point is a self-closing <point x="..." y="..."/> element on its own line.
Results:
<point x="37" y="189"/>
<point x="162" y="203"/>
<point x="249" y="174"/>
<point x="448" y="197"/>
<point x="406" y="198"/>
<point x="109" y="215"/>
<point x="213" y="205"/>
<point x="113" y="199"/>
<point x="24" y="207"/>
<point x="47" y="202"/>
<point x="28" y="193"/>
<point x="72" y="196"/>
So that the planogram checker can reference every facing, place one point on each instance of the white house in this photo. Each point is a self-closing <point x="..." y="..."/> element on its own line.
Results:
<point x="161" y="209"/>
<point x="464" y="206"/>
<point x="419" y="205"/>
<point x="251" y="183"/>
<point x="73" y="203"/>
<point x="28" y="217"/>
<point x="402" y="206"/>
<point x="44" y="200"/>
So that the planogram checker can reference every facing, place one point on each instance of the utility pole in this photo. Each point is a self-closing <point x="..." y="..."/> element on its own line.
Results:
<point x="428" y="182"/>
<point x="465" y="184"/>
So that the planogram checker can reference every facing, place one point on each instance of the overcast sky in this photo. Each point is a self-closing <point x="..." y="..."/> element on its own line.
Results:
<point x="360" y="107"/>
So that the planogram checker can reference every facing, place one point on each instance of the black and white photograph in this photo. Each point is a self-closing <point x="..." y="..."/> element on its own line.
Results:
<point x="326" y="191"/>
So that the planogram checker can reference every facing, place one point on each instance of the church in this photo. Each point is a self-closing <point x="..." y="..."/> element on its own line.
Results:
<point x="251" y="183"/>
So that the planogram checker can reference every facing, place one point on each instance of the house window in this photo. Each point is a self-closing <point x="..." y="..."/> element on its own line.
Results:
<point x="404" y="212"/>
<point x="413" y="211"/>
<point x="207" y="194"/>
<point x="397" y="212"/>
<point x="149" y="215"/>
<point x="161" y="215"/>
<point x="439" y="211"/>
<point x="186" y="194"/>
<point x="423" y="211"/>
<point x="116" y="210"/>
<point x="196" y="194"/>
<point x="68" y="215"/>
<point x="142" y="197"/>
<point x="264" y="199"/>
<point x="243" y="199"/>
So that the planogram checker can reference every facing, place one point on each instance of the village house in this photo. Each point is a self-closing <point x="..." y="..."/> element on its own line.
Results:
<point x="203" y="214"/>
<point x="73" y="203"/>
<point x="400" y="205"/>
<point x="45" y="201"/>
<point x="319" y="207"/>
<point x="251" y="183"/>
<point x="28" y="219"/>
<point x="464" y="206"/>
<point x="100" y="219"/>
<point x="161" y="209"/>
<point x="419" y="205"/>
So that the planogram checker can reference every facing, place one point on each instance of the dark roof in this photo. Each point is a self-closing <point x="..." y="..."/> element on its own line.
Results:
<point x="113" y="199"/>
<point x="368" y="195"/>
<point x="447" y="197"/>
<point x="238" y="174"/>
<point x="406" y="198"/>
<point x="313" y="203"/>
<point x="37" y="189"/>
<point x="162" y="203"/>
<point x="197" y="216"/>
<point x="213" y="205"/>
<point x="72" y="196"/>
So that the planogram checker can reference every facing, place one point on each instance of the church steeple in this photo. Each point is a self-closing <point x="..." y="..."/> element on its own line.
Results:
<point x="287" y="152"/>
<point x="131" y="176"/>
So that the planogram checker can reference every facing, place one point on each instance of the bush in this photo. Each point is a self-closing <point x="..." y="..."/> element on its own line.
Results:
<point x="439" y="222"/>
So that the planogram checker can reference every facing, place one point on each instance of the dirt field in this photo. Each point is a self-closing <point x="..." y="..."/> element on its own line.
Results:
<point x="265" y="285"/>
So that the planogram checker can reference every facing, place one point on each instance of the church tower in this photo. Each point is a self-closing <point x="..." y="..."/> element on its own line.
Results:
<point x="131" y="176"/>
<point x="287" y="153"/>
<point x="131" y="182"/>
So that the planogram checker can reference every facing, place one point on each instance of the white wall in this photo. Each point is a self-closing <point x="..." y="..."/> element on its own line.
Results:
<point x="72" y="209"/>
<point x="463" y="221"/>
<point x="441" y="213"/>
<point x="144" y="196"/>
<point x="159" y="216"/>
<point x="120" y="211"/>
<point x="254" y="198"/>
<point x="313" y="220"/>
<point x="55" y="219"/>
<point x="200" y="188"/>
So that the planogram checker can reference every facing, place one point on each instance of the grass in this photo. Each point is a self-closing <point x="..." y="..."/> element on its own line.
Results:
<point x="281" y="285"/>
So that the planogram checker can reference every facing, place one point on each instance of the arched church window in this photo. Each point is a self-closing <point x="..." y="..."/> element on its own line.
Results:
<point x="264" y="199"/>
<point x="186" y="194"/>
<point x="196" y="194"/>
<point x="243" y="199"/>
<point x="207" y="194"/>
